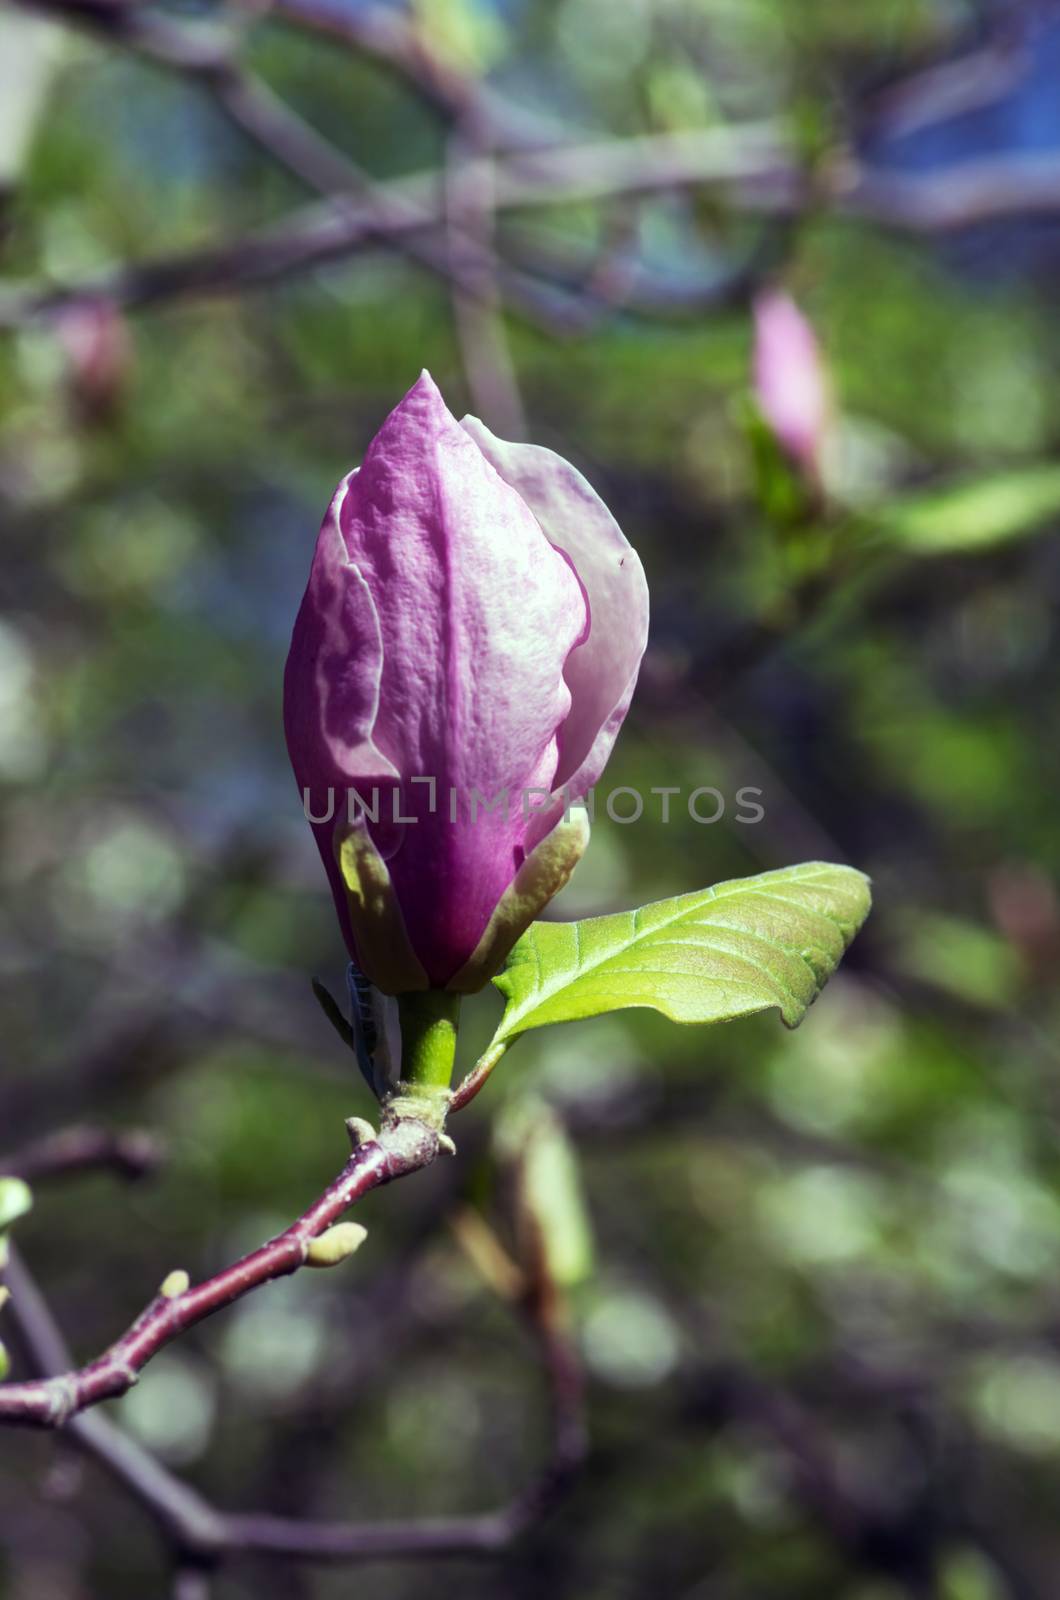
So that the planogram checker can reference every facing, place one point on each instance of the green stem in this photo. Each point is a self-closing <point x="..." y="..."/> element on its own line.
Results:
<point x="428" y="1037"/>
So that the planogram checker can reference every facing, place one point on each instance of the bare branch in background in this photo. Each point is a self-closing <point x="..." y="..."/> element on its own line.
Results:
<point x="191" y="48"/>
<point x="461" y="260"/>
<point x="948" y="90"/>
<point x="129" y="1153"/>
<point x="206" y="55"/>
<point x="754" y="165"/>
<point x="479" y="318"/>
<point x="482" y="1535"/>
<point x="960" y="196"/>
<point x="188" y="1522"/>
<point x="395" y="41"/>
<point x="318" y="235"/>
<point x="407" y="215"/>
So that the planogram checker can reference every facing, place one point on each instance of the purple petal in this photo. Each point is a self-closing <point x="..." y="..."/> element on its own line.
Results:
<point x="331" y="689"/>
<point x="460" y="617"/>
<point x="602" y="672"/>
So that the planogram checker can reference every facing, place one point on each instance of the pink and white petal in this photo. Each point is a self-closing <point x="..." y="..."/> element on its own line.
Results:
<point x="601" y="672"/>
<point x="478" y="615"/>
<point x="335" y="667"/>
<point x="790" y="378"/>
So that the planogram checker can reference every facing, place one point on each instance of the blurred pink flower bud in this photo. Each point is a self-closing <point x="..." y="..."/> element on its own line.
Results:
<point x="95" y="340"/>
<point x="473" y="628"/>
<point x="790" y="381"/>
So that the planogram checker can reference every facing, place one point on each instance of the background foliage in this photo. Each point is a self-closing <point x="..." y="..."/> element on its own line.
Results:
<point x="820" y="1324"/>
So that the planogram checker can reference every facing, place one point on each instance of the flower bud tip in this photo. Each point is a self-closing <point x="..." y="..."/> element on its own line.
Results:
<point x="335" y="1245"/>
<point x="360" y="1131"/>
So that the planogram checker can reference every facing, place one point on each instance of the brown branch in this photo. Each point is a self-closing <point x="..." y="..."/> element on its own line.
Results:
<point x="395" y="41"/>
<point x="189" y="1523"/>
<point x="483" y="1534"/>
<point x="758" y="162"/>
<point x="756" y="179"/>
<point x="208" y="57"/>
<point x="129" y="1153"/>
<point x="188" y="47"/>
<point x="149" y="1040"/>
<point x="753" y="164"/>
<point x="405" y="214"/>
<point x="949" y="88"/>
<point x="959" y="196"/>
<point x="404" y="1145"/>
<point x="479" y="317"/>
<point x="462" y="260"/>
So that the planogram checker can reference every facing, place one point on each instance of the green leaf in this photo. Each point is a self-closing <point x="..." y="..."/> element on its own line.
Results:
<point x="976" y="515"/>
<point x="741" y="947"/>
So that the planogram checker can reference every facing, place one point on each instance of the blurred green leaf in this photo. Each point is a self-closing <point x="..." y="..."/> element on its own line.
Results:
<point x="779" y="489"/>
<point x="965" y="960"/>
<point x="720" y="953"/>
<point x="32" y="51"/>
<point x="466" y="35"/>
<point x="552" y="1214"/>
<point x="973" y="516"/>
<point x="968" y="1575"/>
<point x="15" y="1200"/>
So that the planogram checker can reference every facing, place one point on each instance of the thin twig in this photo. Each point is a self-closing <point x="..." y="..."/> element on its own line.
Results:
<point x="396" y="41"/>
<point x="475" y="1535"/>
<point x="485" y="352"/>
<point x="188" y="47"/>
<point x="960" y="196"/>
<point x="187" y="1520"/>
<point x="278" y="129"/>
<point x="203" y="1536"/>
<point x="207" y="56"/>
<point x="403" y="1146"/>
<point x="756" y="178"/>
<point x="129" y="1153"/>
<point x="406" y="213"/>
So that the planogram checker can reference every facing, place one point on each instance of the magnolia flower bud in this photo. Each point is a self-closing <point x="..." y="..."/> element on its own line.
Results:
<point x="790" y="381"/>
<point x="99" y="354"/>
<point x="461" y="664"/>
